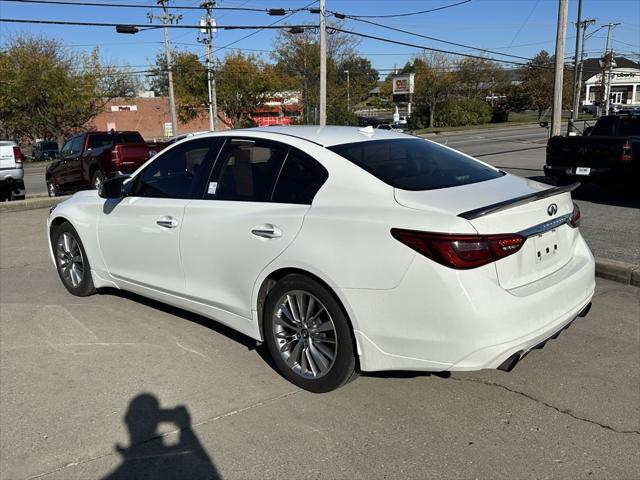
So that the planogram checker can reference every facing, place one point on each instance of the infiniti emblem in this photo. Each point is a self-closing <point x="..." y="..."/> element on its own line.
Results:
<point x="552" y="209"/>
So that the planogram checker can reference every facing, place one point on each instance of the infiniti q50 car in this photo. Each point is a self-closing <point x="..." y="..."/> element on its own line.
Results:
<point x="342" y="249"/>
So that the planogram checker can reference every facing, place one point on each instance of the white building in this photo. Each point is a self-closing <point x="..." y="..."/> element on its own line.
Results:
<point x="625" y="82"/>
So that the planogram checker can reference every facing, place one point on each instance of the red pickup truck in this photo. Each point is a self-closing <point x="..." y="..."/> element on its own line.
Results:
<point x="88" y="158"/>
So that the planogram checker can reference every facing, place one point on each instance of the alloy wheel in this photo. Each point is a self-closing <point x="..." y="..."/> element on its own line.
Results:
<point x="305" y="334"/>
<point x="70" y="260"/>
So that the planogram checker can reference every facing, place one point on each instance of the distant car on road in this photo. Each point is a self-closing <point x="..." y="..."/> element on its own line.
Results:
<point x="610" y="151"/>
<point x="394" y="127"/>
<point x="11" y="171"/>
<point x="44" y="151"/>
<point x="339" y="247"/>
<point x="87" y="159"/>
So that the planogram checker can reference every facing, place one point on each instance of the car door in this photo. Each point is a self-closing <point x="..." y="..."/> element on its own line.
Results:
<point x="73" y="164"/>
<point x="253" y="208"/>
<point x="139" y="234"/>
<point x="58" y="167"/>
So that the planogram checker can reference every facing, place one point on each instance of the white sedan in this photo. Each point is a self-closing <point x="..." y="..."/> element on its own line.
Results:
<point x="343" y="249"/>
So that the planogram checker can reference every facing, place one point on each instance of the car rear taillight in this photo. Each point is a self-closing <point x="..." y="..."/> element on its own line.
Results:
<point x="626" y="152"/>
<point x="574" y="219"/>
<point x="115" y="158"/>
<point x="17" y="154"/>
<point x="460" y="251"/>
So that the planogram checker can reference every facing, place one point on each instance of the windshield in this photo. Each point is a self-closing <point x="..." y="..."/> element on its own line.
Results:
<point x="415" y="164"/>
<point x="102" y="140"/>
<point x="49" y="146"/>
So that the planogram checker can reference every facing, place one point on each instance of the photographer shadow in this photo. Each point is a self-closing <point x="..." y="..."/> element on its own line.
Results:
<point x="151" y="455"/>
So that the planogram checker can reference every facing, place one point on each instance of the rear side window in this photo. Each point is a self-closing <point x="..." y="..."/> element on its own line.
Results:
<point x="605" y="127"/>
<point x="102" y="140"/>
<point x="629" y="127"/>
<point x="415" y="164"/>
<point x="300" y="179"/>
<point x="248" y="171"/>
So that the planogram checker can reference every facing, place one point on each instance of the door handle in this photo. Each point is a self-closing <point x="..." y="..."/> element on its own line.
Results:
<point x="267" y="231"/>
<point x="167" y="222"/>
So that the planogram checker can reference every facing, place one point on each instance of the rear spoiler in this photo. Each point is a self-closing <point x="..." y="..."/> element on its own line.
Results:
<point x="514" y="202"/>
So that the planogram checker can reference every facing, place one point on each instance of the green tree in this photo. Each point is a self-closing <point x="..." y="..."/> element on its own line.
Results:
<point x="189" y="83"/>
<point x="537" y="82"/>
<point x="435" y="82"/>
<point x="243" y="83"/>
<point x="479" y="78"/>
<point x="49" y="92"/>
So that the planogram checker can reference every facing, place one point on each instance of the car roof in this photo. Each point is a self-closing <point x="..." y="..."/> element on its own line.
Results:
<point x="329" y="135"/>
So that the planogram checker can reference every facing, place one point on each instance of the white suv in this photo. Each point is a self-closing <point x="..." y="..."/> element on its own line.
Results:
<point x="11" y="172"/>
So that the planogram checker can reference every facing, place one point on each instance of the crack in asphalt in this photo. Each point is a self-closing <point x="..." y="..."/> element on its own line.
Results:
<point x="172" y="432"/>
<point x="565" y="411"/>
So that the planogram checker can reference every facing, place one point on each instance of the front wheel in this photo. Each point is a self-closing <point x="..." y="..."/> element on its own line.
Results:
<point x="308" y="335"/>
<point x="71" y="261"/>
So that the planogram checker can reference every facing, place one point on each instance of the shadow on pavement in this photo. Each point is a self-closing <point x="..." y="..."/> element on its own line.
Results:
<point x="150" y="455"/>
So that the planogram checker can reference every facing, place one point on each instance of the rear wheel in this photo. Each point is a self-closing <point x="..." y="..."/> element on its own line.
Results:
<point x="308" y="335"/>
<point x="71" y="261"/>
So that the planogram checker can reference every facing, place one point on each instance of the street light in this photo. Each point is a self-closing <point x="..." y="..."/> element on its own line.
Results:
<point x="130" y="29"/>
<point x="348" y="93"/>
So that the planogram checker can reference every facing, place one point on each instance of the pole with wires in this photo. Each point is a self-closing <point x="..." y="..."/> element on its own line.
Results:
<point x="323" y="66"/>
<point x="167" y="18"/>
<point x="556" y="113"/>
<point x="576" y="85"/>
<point x="208" y="24"/>
<point x="579" y="66"/>
<point x="609" y="63"/>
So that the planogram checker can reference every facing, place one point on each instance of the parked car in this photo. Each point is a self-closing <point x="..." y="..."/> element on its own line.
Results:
<point x="87" y="159"/>
<point x="610" y="151"/>
<point x="11" y="171"/>
<point x="343" y="249"/>
<point x="395" y="127"/>
<point x="44" y="151"/>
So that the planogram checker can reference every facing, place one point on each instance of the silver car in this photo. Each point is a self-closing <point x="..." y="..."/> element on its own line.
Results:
<point x="11" y="171"/>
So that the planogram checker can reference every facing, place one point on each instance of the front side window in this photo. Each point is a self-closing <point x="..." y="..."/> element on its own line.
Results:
<point x="247" y="171"/>
<point x="76" y="145"/>
<point x="415" y="164"/>
<point x="176" y="173"/>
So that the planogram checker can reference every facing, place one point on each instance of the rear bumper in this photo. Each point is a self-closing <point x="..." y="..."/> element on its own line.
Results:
<point x="442" y="319"/>
<point x="619" y="172"/>
<point x="11" y="174"/>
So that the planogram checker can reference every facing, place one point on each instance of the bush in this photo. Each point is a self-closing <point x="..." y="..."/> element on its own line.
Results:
<point x="463" y="111"/>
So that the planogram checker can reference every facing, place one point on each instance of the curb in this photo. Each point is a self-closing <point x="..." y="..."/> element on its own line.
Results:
<point x="31" y="204"/>
<point x="615" y="270"/>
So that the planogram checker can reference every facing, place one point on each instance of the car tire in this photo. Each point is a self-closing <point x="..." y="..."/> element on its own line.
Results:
<point x="72" y="263"/>
<point x="52" y="190"/>
<point x="315" y="350"/>
<point x="96" y="180"/>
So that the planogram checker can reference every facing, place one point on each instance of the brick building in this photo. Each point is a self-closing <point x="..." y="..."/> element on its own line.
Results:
<point x="147" y="115"/>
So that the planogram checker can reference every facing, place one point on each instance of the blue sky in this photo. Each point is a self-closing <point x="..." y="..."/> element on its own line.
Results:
<point x="517" y="27"/>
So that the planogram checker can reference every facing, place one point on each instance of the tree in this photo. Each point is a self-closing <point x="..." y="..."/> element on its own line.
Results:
<point x="297" y="58"/>
<point x="434" y="83"/>
<point x="537" y="83"/>
<point x="189" y="83"/>
<point x="48" y="92"/>
<point x="479" y="78"/>
<point x="243" y="84"/>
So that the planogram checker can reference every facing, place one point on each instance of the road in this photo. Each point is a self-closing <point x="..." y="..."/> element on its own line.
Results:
<point x="73" y="372"/>
<point x="610" y="224"/>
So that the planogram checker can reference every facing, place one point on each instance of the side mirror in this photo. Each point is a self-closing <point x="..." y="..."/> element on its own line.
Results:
<point x="112" y="187"/>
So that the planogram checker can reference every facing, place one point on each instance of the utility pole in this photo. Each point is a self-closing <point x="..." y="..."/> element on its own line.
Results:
<point x="323" y="66"/>
<point x="579" y="66"/>
<point x="167" y="18"/>
<point x="556" y="111"/>
<point x="208" y="22"/>
<point x="573" y="116"/>
<point x="608" y="58"/>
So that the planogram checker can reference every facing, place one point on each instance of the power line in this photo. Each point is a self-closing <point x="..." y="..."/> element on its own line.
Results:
<point x="129" y="5"/>
<point x="423" y="47"/>
<point x="411" y="13"/>
<point x="146" y="26"/>
<point x="436" y="39"/>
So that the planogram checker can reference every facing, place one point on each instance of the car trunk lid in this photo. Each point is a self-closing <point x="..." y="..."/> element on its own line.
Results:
<point x="508" y="205"/>
<point x="7" y="158"/>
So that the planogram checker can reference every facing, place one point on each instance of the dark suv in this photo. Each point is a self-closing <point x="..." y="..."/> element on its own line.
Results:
<point x="44" y="150"/>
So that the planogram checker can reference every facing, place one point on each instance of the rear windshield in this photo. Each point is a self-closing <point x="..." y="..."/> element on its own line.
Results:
<point x="415" y="164"/>
<point x="97" y="141"/>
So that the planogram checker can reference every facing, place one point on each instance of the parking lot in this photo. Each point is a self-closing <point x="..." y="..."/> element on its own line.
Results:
<point x="74" y="373"/>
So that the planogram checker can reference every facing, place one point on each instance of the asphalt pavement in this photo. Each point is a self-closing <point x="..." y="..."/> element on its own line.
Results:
<point x="115" y="386"/>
